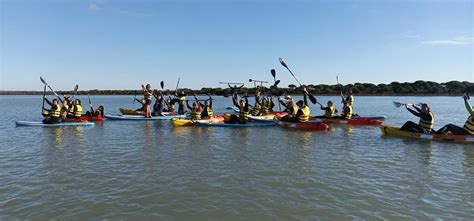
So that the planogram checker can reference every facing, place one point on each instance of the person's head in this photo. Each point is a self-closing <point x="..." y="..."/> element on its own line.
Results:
<point x="329" y="103"/>
<point x="349" y="92"/>
<point x="148" y="87"/>
<point x="194" y="104"/>
<point x="65" y="103"/>
<point x="207" y="103"/>
<point x="425" y="107"/>
<point x="300" y="103"/>
<point x="242" y="102"/>
<point x="78" y="102"/>
<point x="101" y="108"/>
<point x="55" y="101"/>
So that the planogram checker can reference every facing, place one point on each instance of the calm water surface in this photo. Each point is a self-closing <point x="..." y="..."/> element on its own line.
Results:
<point x="150" y="170"/>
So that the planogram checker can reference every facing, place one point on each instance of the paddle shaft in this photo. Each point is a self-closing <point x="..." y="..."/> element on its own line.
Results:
<point x="54" y="92"/>
<point x="44" y="95"/>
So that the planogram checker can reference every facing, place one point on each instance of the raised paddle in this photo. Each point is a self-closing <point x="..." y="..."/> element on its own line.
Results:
<point x="162" y="84"/>
<point x="275" y="83"/>
<point x="399" y="104"/>
<point x="177" y="84"/>
<point x="54" y="92"/>
<point x="229" y="83"/>
<point x="75" y="92"/>
<point x="44" y="95"/>
<point x="135" y="97"/>
<point x="311" y="97"/>
<point x="90" y="107"/>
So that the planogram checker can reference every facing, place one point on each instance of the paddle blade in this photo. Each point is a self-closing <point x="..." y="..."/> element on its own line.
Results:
<point x="273" y="72"/>
<point x="42" y="80"/>
<point x="283" y="63"/>
<point x="162" y="84"/>
<point x="250" y="80"/>
<point x="312" y="98"/>
<point x="276" y="83"/>
<point x="76" y="88"/>
<point x="398" y="104"/>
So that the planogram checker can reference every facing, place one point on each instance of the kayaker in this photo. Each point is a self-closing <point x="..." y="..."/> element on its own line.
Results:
<point x="64" y="109"/>
<point x="329" y="111"/>
<point x="99" y="112"/>
<point x="77" y="109"/>
<point x="54" y="112"/>
<point x="262" y="107"/>
<point x="196" y="110"/>
<point x="290" y="108"/>
<point x="207" y="109"/>
<point x="169" y="104"/>
<point x="235" y="90"/>
<point x="271" y="104"/>
<point x="467" y="129"/>
<point x="255" y="111"/>
<point x="258" y="91"/>
<point x="147" y="94"/>
<point x="348" y="97"/>
<point x="158" y="106"/>
<point x="302" y="113"/>
<point x="242" y="117"/>
<point x="143" y="103"/>
<point x="181" y="100"/>
<point x="347" y="110"/>
<point x="426" y="120"/>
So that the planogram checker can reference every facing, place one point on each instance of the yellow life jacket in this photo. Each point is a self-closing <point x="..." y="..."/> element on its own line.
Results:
<point x="305" y="116"/>
<point x="264" y="108"/>
<point x="330" y="113"/>
<point x="78" y="112"/>
<point x="195" y="113"/>
<point x="469" y="125"/>
<point x="182" y="100"/>
<point x="292" y="110"/>
<point x="209" y="111"/>
<point x="427" y="125"/>
<point x="147" y="96"/>
<point x="55" y="112"/>
<point x="170" y="107"/>
<point x="243" y="114"/>
<point x="64" y="110"/>
<point x="255" y="110"/>
<point x="347" y="112"/>
<point x="351" y="100"/>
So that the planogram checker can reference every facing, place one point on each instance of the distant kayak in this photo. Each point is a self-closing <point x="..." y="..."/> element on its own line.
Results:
<point x="125" y="111"/>
<point x="313" y="125"/>
<point x="396" y="132"/>
<point x="354" y="121"/>
<point x="85" y="119"/>
<point x="382" y="118"/>
<point x="185" y="122"/>
<point x="40" y="124"/>
<point x="142" y="118"/>
<point x="207" y="124"/>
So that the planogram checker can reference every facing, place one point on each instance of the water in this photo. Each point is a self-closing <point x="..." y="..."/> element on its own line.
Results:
<point x="150" y="170"/>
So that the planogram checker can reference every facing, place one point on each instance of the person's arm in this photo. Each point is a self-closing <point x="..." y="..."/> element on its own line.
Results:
<point x="187" y="104"/>
<point x="246" y="108"/>
<point x="210" y="101"/>
<point x="324" y="108"/>
<point x="49" y="102"/>
<point x="414" y="112"/>
<point x="240" y="86"/>
<point x="468" y="107"/>
<point x="282" y="103"/>
<point x="305" y="99"/>
<point x="230" y="86"/>
<point x="139" y="101"/>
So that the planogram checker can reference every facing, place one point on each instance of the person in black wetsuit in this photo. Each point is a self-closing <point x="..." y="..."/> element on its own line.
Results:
<point x="206" y="108"/>
<point x="467" y="129"/>
<point x="235" y="89"/>
<point x="158" y="106"/>
<point x="426" y="120"/>
<point x="181" y="100"/>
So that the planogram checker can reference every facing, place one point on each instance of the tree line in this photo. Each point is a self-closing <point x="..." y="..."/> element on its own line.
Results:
<point x="394" y="88"/>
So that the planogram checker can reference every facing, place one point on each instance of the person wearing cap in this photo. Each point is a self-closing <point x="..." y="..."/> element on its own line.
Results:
<point x="290" y="107"/>
<point x="302" y="111"/>
<point x="426" y="122"/>
<point x="467" y="129"/>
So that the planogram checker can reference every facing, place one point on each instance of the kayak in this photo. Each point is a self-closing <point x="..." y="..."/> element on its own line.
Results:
<point x="233" y="108"/>
<point x="382" y="118"/>
<point x="267" y="118"/>
<point x="85" y="119"/>
<point x="186" y="122"/>
<point x="356" y="121"/>
<point x="222" y="124"/>
<point x="40" y="124"/>
<point x="142" y="118"/>
<point x="125" y="111"/>
<point x="396" y="132"/>
<point x="310" y="125"/>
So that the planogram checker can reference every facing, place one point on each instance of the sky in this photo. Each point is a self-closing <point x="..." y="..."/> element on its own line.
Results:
<point x="107" y="44"/>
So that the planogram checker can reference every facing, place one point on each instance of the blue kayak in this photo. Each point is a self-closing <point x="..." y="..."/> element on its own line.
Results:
<point x="40" y="124"/>
<point x="207" y="124"/>
<point x="142" y="118"/>
<point x="234" y="109"/>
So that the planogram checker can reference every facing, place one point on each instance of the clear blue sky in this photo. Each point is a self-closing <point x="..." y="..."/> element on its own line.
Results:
<point x="108" y="44"/>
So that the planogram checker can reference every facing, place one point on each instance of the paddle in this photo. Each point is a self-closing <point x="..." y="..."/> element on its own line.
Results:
<point x="162" y="84"/>
<point x="44" y="95"/>
<point x="229" y="83"/>
<point x="342" y="96"/>
<point x="75" y="92"/>
<point x="135" y="97"/>
<point x="177" y="84"/>
<point x="399" y="104"/>
<point x="275" y="84"/>
<point x="54" y="92"/>
<point x="90" y="106"/>
<point x="311" y="97"/>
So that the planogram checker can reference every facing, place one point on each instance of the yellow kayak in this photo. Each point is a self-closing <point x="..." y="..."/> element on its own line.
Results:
<point x="186" y="122"/>
<point x="396" y="132"/>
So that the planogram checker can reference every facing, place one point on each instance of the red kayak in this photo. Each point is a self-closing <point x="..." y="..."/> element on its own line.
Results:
<point x="356" y="121"/>
<point x="310" y="125"/>
<point x="85" y="119"/>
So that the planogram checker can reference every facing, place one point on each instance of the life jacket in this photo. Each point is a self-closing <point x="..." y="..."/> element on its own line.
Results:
<point x="330" y="113"/>
<point x="469" y="125"/>
<point x="64" y="110"/>
<point x="78" y="112"/>
<point x="181" y="100"/>
<point x="292" y="110"/>
<point x="147" y="96"/>
<point x="196" y="113"/>
<point x="350" y="98"/>
<point x="207" y="112"/>
<point x="305" y="116"/>
<point x="55" y="112"/>
<point x="347" y="112"/>
<point x="243" y="114"/>
<point x="264" y="107"/>
<point x="255" y="111"/>
<point x="427" y="125"/>
<point x="170" y="107"/>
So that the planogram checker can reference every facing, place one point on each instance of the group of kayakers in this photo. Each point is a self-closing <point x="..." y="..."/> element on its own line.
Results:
<point x="427" y="120"/>
<point x="68" y="110"/>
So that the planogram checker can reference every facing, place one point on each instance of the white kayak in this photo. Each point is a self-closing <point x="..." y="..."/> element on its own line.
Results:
<point x="142" y="118"/>
<point x="64" y="124"/>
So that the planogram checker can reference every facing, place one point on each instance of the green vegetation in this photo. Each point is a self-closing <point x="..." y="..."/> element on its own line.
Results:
<point x="394" y="88"/>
